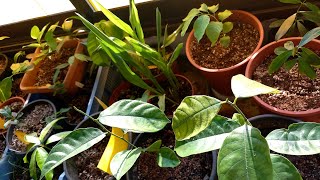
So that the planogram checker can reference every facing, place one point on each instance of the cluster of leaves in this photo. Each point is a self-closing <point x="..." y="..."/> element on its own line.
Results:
<point x="198" y="131"/>
<point x="289" y="55"/>
<point x="1" y="54"/>
<point x="215" y="29"/>
<point x="297" y="20"/>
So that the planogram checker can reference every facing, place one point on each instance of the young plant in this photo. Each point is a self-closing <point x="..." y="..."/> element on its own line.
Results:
<point x="298" y="19"/>
<point x="209" y="22"/>
<point x="289" y="55"/>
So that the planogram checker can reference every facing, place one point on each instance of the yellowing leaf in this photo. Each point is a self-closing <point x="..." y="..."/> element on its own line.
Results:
<point x="1" y="123"/>
<point x="21" y="136"/>
<point x="102" y="104"/>
<point x="67" y="25"/>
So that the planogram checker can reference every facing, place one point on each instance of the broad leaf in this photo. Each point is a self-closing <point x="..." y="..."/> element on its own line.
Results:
<point x="314" y="33"/>
<point x="67" y="25"/>
<point x="57" y="137"/>
<point x="193" y="115"/>
<point x="213" y="8"/>
<point x="167" y="158"/>
<point x="213" y="31"/>
<point x="51" y="41"/>
<point x="41" y="157"/>
<point x="203" y="7"/>
<point x="306" y="69"/>
<point x="5" y="88"/>
<point x="187" y="20"/>
<point x="239" y="119"/>
<point x="289" y="45"/>
<point x="134" y="116"/>
<point x="283" y="168"/>
<point x="285" y="26"/>
<point x="154" y="147"/>
<point x="290" y="1"/>
<point x="135" y="21"/>
<point x="48" y="127"/>
<point x="76" y="142"/>
<point x="207" y="140"/>
<point x="298" y="139"/>
<point x="35" y="31"/>
<point x="200" y="26"/>
<point x="245" y="155"/>
<point x="224" y="15"/>
<point x="227" y="27"/>
<point x="279" y="61"/>
<point x="289" y="64"/>
<point x="243" y="87"/>
<point x="225" y="41"/>
<point x="123" y="161"/>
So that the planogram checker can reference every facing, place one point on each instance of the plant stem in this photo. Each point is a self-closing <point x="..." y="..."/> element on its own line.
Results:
<point x="233" y="104"/>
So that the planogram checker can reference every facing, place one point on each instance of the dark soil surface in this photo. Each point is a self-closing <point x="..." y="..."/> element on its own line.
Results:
<point x="16" y="87"/>
<point x="298" y="92"/>
<point x="88" y="160"/>
<point x="196" y="167"/>
<point x="31" y="121"/>
<point x="2" y="143"/>
<point x="16" y="106"/>
<point x="2" y="64"/>
<point x="244" y="39"/>
<point x="47" y="67"/>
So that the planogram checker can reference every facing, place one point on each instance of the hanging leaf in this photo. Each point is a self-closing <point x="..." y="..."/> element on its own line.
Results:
<point x="283" y="168"/>
<point x="33" y="166"/>
<point x="276" y="23"/>
<point x="279" y="61"/>
<point x="187" y="20"/>
<point x="167" y="158"/>
<point x="193" y="115"/>
<point x="224" y="15"/>
<point x="302" y="30"/>
<point x="285" y="26"/>
<point x="309" y="36"/>
<point x="200" y="26"/>
<point x="213" y="31"/>
<point x="306" y="69"/>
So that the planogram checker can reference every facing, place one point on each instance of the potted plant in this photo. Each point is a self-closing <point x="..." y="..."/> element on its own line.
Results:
<point x="231" y="37"/>
<point x="290" y="65"/>
<point x="3" y="59"/>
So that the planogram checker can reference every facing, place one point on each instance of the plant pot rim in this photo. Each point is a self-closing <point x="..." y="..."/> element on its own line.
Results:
<point x="191" y="37"/>
<point x="264" y="104"/>
<point x="12" y="99"/>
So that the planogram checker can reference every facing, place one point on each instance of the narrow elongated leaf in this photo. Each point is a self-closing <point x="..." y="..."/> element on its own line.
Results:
<point x="311" y="57"/>
<point x="5" y="89"/>
<point x="312" y="7"/>
<point x="311" y="16"/>
<point x="302" y="29"/>
<point x="123" y="161"/>
<point x="175" y="54"/>
<point x="33" y="166"/>
<point x="314" y="33"/>
<point x="159" y="27"/>
<point x="213" y="31"/>
<point x="134" y="116"/>
<point x="279" y="61"/>
<point x="298" y="139"/>
<point x="167" y="158"/>
<point x="57" y="137"/>
<point x="135" y="21"/>
<point x="207" y="140"/>
<point x="243" y="87"/>
<point x="224" y="15"/>
<point x="172" y="37"/>
<point x="200" y="26"/>
<point x="193" y="115"/>
<point x="276" y="23"/>
<point x="154" y="147"/>
<point x="98" y="56"/>
<point x="46" y="129"/>
<point x="41" y="33"/>
<point x="75" y="143"/>
<point x="187" y="20"/>
<point x="283" y="168"/>
<point x="245" y="155"/>
<point x="285" y="26"/>
<point x="41" y="157"/>
<point x="3" y="37"/>
<point x="290" y="1"/>
<point x="289" y="64"/>
<point x="306" y="69"/>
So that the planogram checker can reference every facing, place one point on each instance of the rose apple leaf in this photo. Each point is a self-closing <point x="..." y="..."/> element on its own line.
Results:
<point x="285" y="26"/>
<point x="123" y="161"/>
<point x="209" y="139"/>
<point x="76" y="142"/>
<point x="154" y="147"/>
<point x="289" y="64"/>
<point x="244" y="155"/>
<point x="200" y="26"/>
<point x="134" y="116"/>
<point x="312" y="7"/>
<point x="224" y="15"/>
<point x="167" y="158"/>
<point x="289" y="45"/>
<point x="193" y="115"/>
<point x="243" y="87"/>
<point x="298" y="139"/>
<point x="213" y="31"/>
<point x="283" y="168"/>
<point x="187" y="20"/>
<point x="312" y="58"/>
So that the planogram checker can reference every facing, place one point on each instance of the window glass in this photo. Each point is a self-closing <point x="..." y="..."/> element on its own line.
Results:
<point x="110" y="4"/>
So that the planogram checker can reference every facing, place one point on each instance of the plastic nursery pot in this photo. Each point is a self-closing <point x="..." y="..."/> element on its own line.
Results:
<point x="220" y="79"/>
<point x="75" y="72"/>
<point x="12" y="100"/>
<point x="260" y="56"/>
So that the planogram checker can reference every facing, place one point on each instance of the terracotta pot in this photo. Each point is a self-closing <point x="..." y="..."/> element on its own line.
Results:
<point x="12" y="100"/>
<point x="260" y="56"/>
<point x="219" y="79"/>
<point x="75" y="72"/>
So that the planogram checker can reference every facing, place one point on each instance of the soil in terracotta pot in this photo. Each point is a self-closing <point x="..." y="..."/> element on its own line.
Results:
<point x="195" y="167"/>
<point x="47" y="67"/>
<point x="2" y="143"/>
<point x="244" y="39"/>
<point x="298" y="92"/>
<point x="88" y="160"/>
<point x="15" y="90"/>
<point x="31" y="121"/>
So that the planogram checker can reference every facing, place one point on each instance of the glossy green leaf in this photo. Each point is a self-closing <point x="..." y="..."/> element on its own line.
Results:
<point x="280" y="50"/>
<point x="200" y="26"/>
<point x="51" y="41"/>
<point x="76" y="142"/>
<point x="227" y="27"/>
<point x="167" y="158"/>
<point x="57" y="137"/>
<point x="224" y="15"/>
<point x="311" y="57"/>
<point x="290" y="1"/>
<point x="97" y="54"/>
<point x="213" y="31"/>
<point x="239" y="119"/>
<point x="172" y="37"/>
<point x="48" y="127"/>
<point x="35" y="31"/>
<point x="244" y="155"/>
<point x="298" y="139"/>
<point x="159" y="27"/>
<point x="283" y="168"/>
<point x="203" y="7"/>
<point x="207" y="140"/>
<point x="134" y="116"/>
<point x="243" y="87"/>
<point x="312" y="7"/>
<point x="285" y="26"/>
<point x="276" y="23"/>
<point x="187" y="20"/>
<point x="225" y="41"/>
<point x="301" y="28"/>
<point x="311" y="16"/>
<point x="41" y="33"/>
<point x="279" y="61"/>
<point x="289" y="64"/>
<point x="154" y="147"/>
<point x="289" y="45"/>
<point x="193" y="115"/>
<point x="123" y="161"/>
<point x="5" y="88"/>
<point x="213" y="8"/>
<point x="305" y="68"/>
<point x="41" y="157"/>
<point x="135" y="21"/>
<point x="314" y="33"/>
<point x="33" y="166"/>
<point x="175" y="54"/>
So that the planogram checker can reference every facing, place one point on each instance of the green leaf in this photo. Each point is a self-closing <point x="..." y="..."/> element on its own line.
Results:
<point x="207" y="140"/>
<point x="159" y="27"/>
<point x="239" y="119"/>
<point x="162" y="102"/>
<point x="213" y="31"/>
<point x="224" y="15"/>
<point x="82" y="57"/>
<point x="76" y="142"/>
<point x="203" y="7"/>
<point x="5" y="89"/>
<point x="309" y="36"/>
<point x="298" y="139"/>
<point x="32" y="138"/>
<point x="311" y="57"/>
<point x="243" y="87"/>
<point x="97" y="54"/>
<point x="41" y="157"/>
<point x="285" y="26"/>
<point x="244" y="155"/>
<point x="110" y="29"/>
<point x="213" y="8"/>
<point x="41" y="33"/>
<point x="154" y="147"/>
<point x="276" y="23"/>
<point x="123" y="161"/>
<point x="62" y="66"/>
<point x="301" y="28"/>
<point x="193" y="115"/>
<point x="289" y="64"/>
<point x="135" y="21"/>
<point x="67" y="25"/>
<point x="311" y="16"/>
<point x="33" y="166"/>
<point x="57" y="137"/>
<point x="35" y="31"/>
<point x="280" y="50"/>
<point x="134" y="116"/>
<point x="167" y="158"/>
<point x="279" y="61"/>
<point x="290" y="1"/>
<point x="227" y="27"/>
<point x="172" y="37"/>
<point x="283" y="168"/>
<point x="225" y="41"/>
<point x="187" y="20"/>
<point x="306" y="68"/>
<point x="51" y="41"/>
<point x="175" y="54"/>
<point x="200" y="26"/>
<point x="288" y="45"/>
<point x="312" y="7"/>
